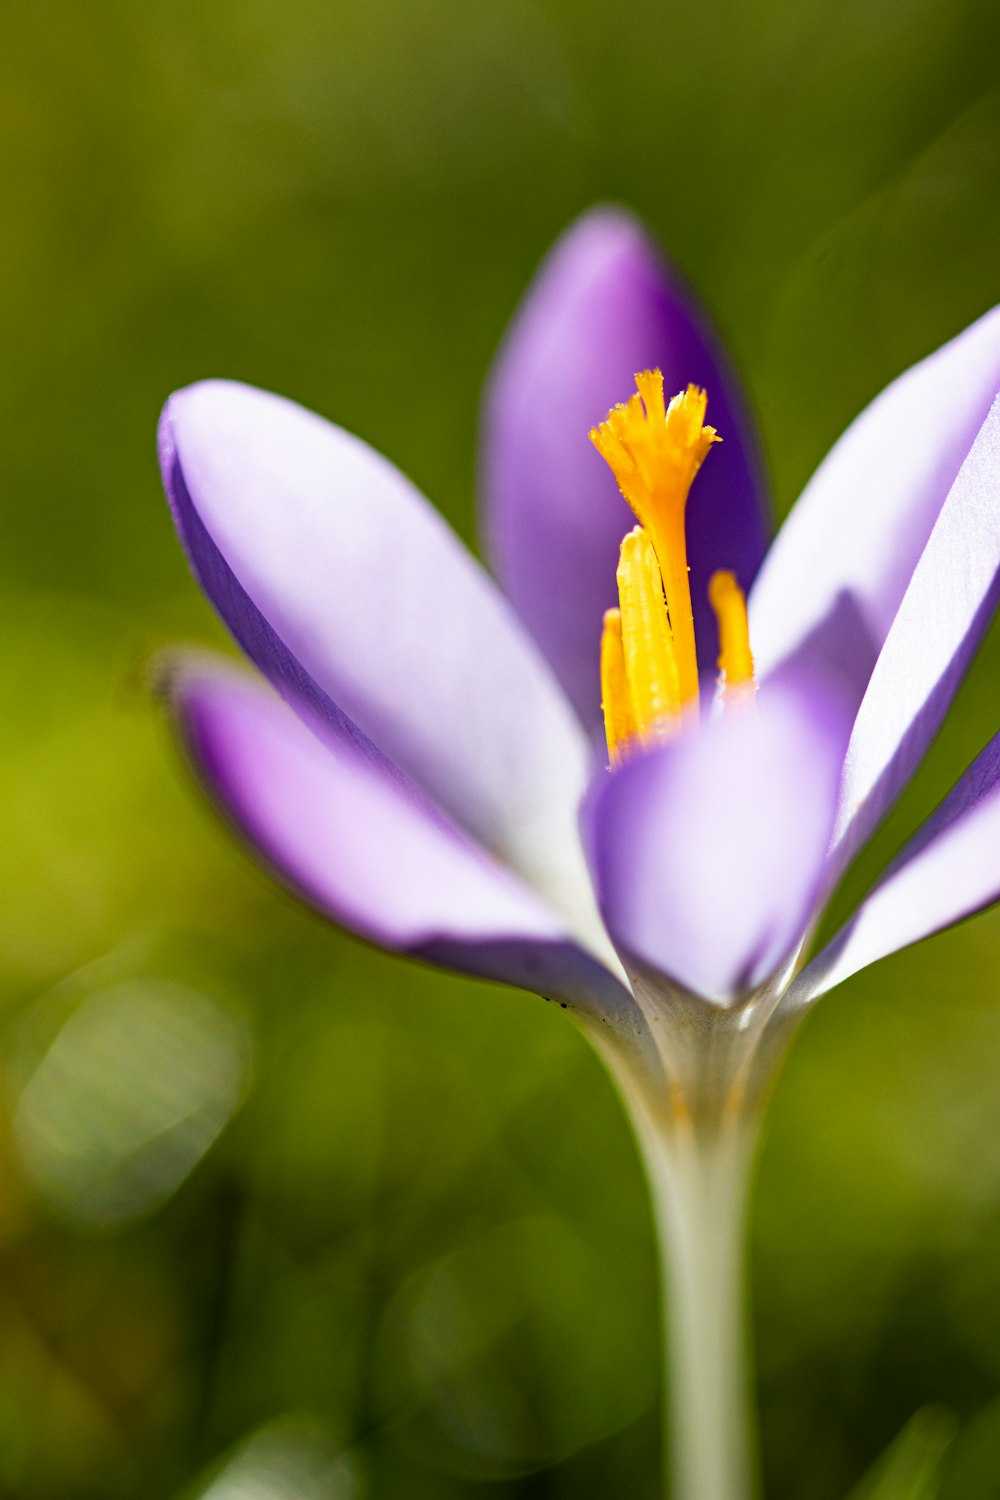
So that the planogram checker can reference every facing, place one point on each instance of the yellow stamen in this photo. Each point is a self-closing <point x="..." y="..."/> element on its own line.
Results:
<point x="735" y="658"/>
<point x="654" y="452"/>
<point x="616" y="700"/>
<point x="650" y="661"/>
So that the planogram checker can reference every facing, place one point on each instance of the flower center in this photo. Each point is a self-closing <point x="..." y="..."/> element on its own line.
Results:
<point x="649" y="665"/>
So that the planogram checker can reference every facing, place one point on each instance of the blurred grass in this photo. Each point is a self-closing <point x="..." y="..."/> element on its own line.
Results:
<point x="425" y="1232"/>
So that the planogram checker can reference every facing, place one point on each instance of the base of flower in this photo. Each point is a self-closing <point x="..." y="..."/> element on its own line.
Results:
<point x="697" y="1124"/>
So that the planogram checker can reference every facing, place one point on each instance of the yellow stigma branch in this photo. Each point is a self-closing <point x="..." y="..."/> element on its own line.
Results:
<point x="735" y="658"/>
<point x="654" y="452"/>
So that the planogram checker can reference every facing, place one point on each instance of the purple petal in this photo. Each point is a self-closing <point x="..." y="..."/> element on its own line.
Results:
<point x="366" y="849"/>
<point x="709" y="854"/>
<point x="951" y="597"/>
<point x="352" y="595"/>
<point x="837" y="572"/>
<point x="603" y="307"/>
<point x="948" y="871"/>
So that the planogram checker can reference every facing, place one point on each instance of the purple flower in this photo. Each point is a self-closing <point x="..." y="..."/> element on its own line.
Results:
<point x="428" y="774"/>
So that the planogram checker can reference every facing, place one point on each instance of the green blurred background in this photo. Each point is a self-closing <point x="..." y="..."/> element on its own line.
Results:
<point x="282" y="1217"/>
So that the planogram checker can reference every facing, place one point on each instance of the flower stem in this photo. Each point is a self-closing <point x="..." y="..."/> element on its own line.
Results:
<point x="697" y="1115"/>
<point x="699" y="1184"/>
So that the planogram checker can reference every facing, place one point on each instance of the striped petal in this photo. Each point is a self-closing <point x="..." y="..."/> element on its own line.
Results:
<point x="355" y="840"/>
<point x="840" y="565"/>
<point x="709" y="853"/>
<point x="947" y="606"/>
<point x="948" y="871"/>
<point x="352" y="595"/>
<point x="603" y="307"/>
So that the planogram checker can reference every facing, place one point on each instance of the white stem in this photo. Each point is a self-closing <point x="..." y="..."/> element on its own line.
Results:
<point x="699" y="1184"/>
<point x="697" y="1122"/>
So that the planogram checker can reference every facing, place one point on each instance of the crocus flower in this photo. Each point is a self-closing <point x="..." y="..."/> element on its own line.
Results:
<point x="423" y="779"/>
<point x="422" y="757"/>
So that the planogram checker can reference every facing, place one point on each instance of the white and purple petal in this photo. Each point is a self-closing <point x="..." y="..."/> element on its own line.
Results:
<point x="947" y="606"/>
<point x="352" y="594"/>
<point x="836" y="574"/>
<point x="359" y="843"/>
<point x="602" y="308"/>
<point x="708" y="854"/>
<point x="949" y="870"/>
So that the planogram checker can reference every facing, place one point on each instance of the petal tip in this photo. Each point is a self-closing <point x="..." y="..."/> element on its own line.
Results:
<point x="606" y="242"/>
